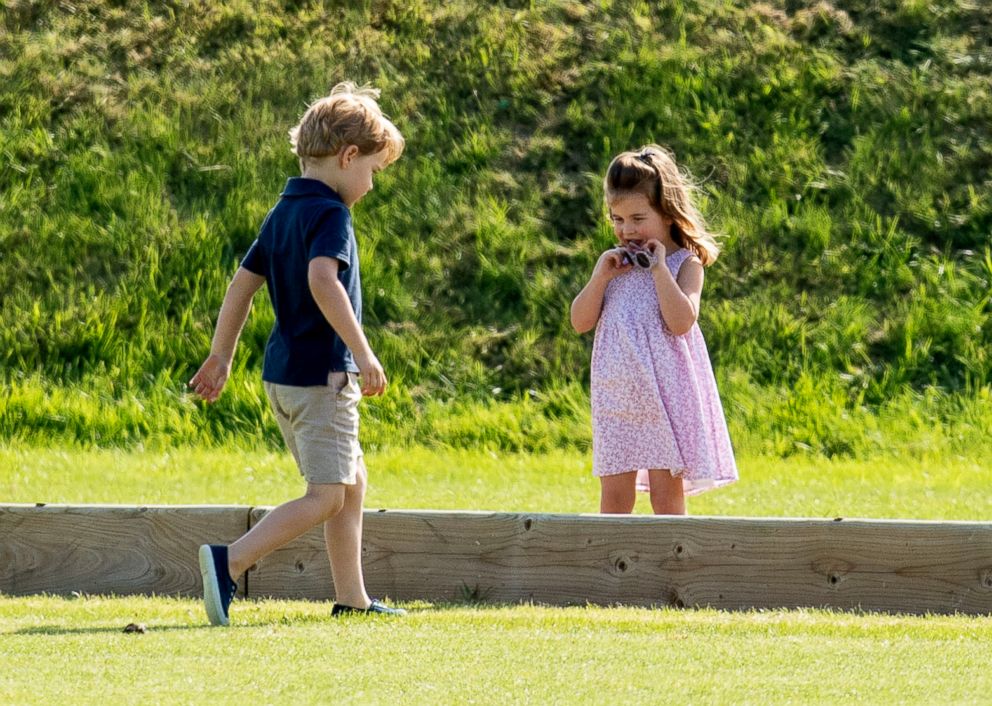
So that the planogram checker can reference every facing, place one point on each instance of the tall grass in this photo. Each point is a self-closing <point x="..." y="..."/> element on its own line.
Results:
<point x="843" y="149"/>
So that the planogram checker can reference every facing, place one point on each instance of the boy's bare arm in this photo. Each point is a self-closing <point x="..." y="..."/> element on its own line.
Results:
<point x="333" y="301"/>
<point x="210" y="378"/>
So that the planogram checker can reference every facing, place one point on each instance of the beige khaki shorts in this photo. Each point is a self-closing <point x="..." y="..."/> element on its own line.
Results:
<point x="320" y="426"/>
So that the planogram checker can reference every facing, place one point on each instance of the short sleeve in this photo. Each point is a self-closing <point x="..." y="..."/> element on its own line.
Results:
<point x="330" y="236"/>
<point x="254" y="260"/>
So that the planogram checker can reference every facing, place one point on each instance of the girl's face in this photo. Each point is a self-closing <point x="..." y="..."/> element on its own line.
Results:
<point x="635" y="222"/>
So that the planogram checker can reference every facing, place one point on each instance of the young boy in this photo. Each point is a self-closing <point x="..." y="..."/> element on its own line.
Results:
<point x="307" y="255"/>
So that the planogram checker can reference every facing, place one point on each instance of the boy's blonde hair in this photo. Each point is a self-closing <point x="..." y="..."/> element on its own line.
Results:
<point x="348" y="116"/>
<point x="652" y="172"/>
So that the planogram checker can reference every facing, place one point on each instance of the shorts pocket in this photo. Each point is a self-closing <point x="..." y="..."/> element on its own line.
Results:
<point x="345" y="388"/>
<point x="337" y="382"/>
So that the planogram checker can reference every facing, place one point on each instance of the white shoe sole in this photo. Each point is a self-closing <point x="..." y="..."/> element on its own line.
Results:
<point x="211" y="592"/>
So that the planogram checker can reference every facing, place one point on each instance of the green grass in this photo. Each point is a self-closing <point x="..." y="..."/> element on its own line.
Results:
<point x="61" y="650"/>
<point x="935" y="487"/>
<point x="842" y="148"/>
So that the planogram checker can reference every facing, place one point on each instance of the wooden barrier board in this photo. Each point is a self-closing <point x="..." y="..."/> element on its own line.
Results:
<point x="110" y="549"/>
<point x="727" y="563"/>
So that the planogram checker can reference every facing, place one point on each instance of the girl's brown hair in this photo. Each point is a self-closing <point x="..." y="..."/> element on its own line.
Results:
<point x="652" y="172"/>
<point x="348" y="116"/>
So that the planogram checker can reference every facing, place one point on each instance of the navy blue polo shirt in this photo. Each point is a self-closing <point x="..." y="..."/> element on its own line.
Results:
<point x="310" y="220"/>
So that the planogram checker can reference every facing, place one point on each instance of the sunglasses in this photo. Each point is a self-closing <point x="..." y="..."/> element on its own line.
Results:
<point x="639" y="257"/>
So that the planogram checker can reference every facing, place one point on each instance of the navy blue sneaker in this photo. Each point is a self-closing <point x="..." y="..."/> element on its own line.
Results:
<point x="377" y="607"/>
<point x="218" y="586"/>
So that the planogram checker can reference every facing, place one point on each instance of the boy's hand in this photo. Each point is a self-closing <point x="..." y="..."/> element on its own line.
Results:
<point x="210" y="378"/>
<point x="610" y="264"/>
<point x="373" y="377"/>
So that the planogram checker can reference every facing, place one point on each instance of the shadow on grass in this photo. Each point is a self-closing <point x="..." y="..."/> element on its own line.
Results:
<point x="63" y="630"/>
<point x="293" y="617"/>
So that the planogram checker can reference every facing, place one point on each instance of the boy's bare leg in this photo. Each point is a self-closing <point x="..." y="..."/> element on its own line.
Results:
<point x="284" y="524"/>
<point x="667" y="495"/>
<point x="618" y="493"/>
<point x="343" y="536"/>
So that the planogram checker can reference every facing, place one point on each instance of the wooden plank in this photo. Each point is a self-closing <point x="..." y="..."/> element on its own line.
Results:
<point x="730" y="563"/>
<point x="110" y="549"/>
<point x="727" y="563"/>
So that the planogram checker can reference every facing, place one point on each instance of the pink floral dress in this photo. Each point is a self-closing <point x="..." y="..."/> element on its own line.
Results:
<point x="654" y="399"/>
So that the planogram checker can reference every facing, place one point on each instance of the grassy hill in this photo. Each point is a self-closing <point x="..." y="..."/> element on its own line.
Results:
<point x="844" y="150"/>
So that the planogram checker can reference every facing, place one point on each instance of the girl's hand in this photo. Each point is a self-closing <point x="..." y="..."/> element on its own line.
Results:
<point x="210" y="378"/>
<point x="610" y="264"/>
<point x="655" y="247"/>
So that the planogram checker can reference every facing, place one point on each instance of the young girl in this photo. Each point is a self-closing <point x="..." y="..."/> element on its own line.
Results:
<point x="657" y="421"/>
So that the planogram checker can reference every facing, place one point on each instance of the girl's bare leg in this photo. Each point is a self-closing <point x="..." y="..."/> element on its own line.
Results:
<point x="667" y="496"/>
<point x="617" y="493"/>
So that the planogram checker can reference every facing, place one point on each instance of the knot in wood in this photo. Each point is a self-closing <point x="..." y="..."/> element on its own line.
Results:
<point x="621" y="563"/>
<point x="833" y="570"/>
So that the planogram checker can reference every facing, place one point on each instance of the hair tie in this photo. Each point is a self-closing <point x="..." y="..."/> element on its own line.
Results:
<point x="645" y="157"/>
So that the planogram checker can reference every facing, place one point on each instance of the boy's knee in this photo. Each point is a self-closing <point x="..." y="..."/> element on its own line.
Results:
<point x="361" y="478"/>
<point x="356" y="492"/>
<point x="329" y="498"/>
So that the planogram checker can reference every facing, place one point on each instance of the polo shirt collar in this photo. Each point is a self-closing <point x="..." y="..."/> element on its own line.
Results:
<point x="302" y="186"/>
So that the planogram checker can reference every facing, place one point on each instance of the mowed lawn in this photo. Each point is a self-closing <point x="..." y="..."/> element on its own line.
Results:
<point x="938" y="488"/>
<point x="58" y="650"/>
<point x="74" y="650"/>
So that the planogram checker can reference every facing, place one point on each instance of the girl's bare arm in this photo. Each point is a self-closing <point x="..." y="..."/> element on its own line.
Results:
<point x="587" y="306"/>
<point x="679" y="299"/>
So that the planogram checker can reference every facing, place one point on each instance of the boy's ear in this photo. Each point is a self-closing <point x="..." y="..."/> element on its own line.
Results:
<point x="346" y="155"/>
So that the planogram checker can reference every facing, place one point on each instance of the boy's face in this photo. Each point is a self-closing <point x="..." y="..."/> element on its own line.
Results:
<point x="357" y="171"/>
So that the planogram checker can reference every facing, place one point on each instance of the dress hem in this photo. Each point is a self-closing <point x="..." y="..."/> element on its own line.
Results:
<point x="691" y="486"/>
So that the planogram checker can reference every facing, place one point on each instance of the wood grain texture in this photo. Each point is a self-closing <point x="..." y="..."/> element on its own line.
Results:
<point x="727" y="563"/>
<point x="110" y="549"/>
